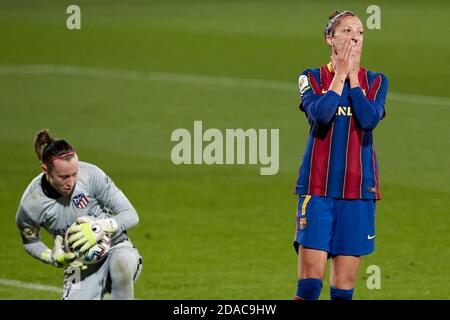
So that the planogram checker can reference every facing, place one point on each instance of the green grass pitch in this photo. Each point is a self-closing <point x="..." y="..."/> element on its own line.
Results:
<point x="223" y="232"/>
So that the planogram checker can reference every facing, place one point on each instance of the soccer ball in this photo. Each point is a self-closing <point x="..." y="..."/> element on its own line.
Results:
<point x="94" y="254"/>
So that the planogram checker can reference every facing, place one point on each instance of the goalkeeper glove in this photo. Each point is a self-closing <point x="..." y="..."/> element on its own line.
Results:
<point x="60" y="258"/>
<point x="88" y="232"/>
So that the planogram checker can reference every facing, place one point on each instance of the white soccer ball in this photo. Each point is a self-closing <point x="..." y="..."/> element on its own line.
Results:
<point x="94" y="254"/>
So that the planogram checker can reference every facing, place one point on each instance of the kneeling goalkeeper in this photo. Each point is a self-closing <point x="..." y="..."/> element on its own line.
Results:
<point x="70" y="192"/>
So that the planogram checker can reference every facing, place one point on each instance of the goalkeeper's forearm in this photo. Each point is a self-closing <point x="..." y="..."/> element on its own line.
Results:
<point x="39" y="251"/>
<point x="124" y="213"/>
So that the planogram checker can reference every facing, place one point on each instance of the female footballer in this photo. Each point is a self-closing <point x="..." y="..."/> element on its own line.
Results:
<point x="70" y="192"/>
<point x="338" y="181"/>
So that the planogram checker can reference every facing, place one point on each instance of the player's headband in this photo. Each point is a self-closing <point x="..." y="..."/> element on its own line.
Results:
<point x="67" y="154"/>
<point x="333" y="20"/>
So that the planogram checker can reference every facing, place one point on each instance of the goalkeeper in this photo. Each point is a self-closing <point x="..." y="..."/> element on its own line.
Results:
<point x="70" y="192"/>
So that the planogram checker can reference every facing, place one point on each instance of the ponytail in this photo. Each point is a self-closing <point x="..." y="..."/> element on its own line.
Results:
<point x="41" y="142"/>
<point x="48" y="149"/>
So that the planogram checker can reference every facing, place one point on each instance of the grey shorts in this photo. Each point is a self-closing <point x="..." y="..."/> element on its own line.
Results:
<point x="95" y="281"/>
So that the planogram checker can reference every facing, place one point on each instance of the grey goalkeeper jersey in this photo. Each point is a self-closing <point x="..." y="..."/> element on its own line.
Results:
<point x="94" y="195"/>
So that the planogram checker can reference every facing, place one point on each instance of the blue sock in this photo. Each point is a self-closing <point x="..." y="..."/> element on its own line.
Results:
<point x="309" y="289"/>
<point x="341" y="294"/>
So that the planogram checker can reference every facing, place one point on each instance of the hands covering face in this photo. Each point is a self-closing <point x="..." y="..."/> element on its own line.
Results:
<point x="346" y="57"/>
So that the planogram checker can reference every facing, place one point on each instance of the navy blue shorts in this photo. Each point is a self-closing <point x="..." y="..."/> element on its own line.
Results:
<point x="337" y="226"/>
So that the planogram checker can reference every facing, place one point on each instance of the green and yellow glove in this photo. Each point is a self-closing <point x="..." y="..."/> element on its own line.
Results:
<point x="60" y="258"/>
<point x="88" y="232"/>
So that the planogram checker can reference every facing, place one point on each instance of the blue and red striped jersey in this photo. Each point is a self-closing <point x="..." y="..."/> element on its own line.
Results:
<point x="339" y="160"/>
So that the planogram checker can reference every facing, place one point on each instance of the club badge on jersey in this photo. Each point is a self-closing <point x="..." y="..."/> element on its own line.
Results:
<point x="29" y="233"/>
<point x="302" y="223"/>
<point x="80" y="201"/>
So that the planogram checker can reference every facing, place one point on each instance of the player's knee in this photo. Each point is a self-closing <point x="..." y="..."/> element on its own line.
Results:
<point x="121" y="270"/>
<point x="311" y="273"/>
<point x="311" y="270"/>
<point x="343" y="281"/>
